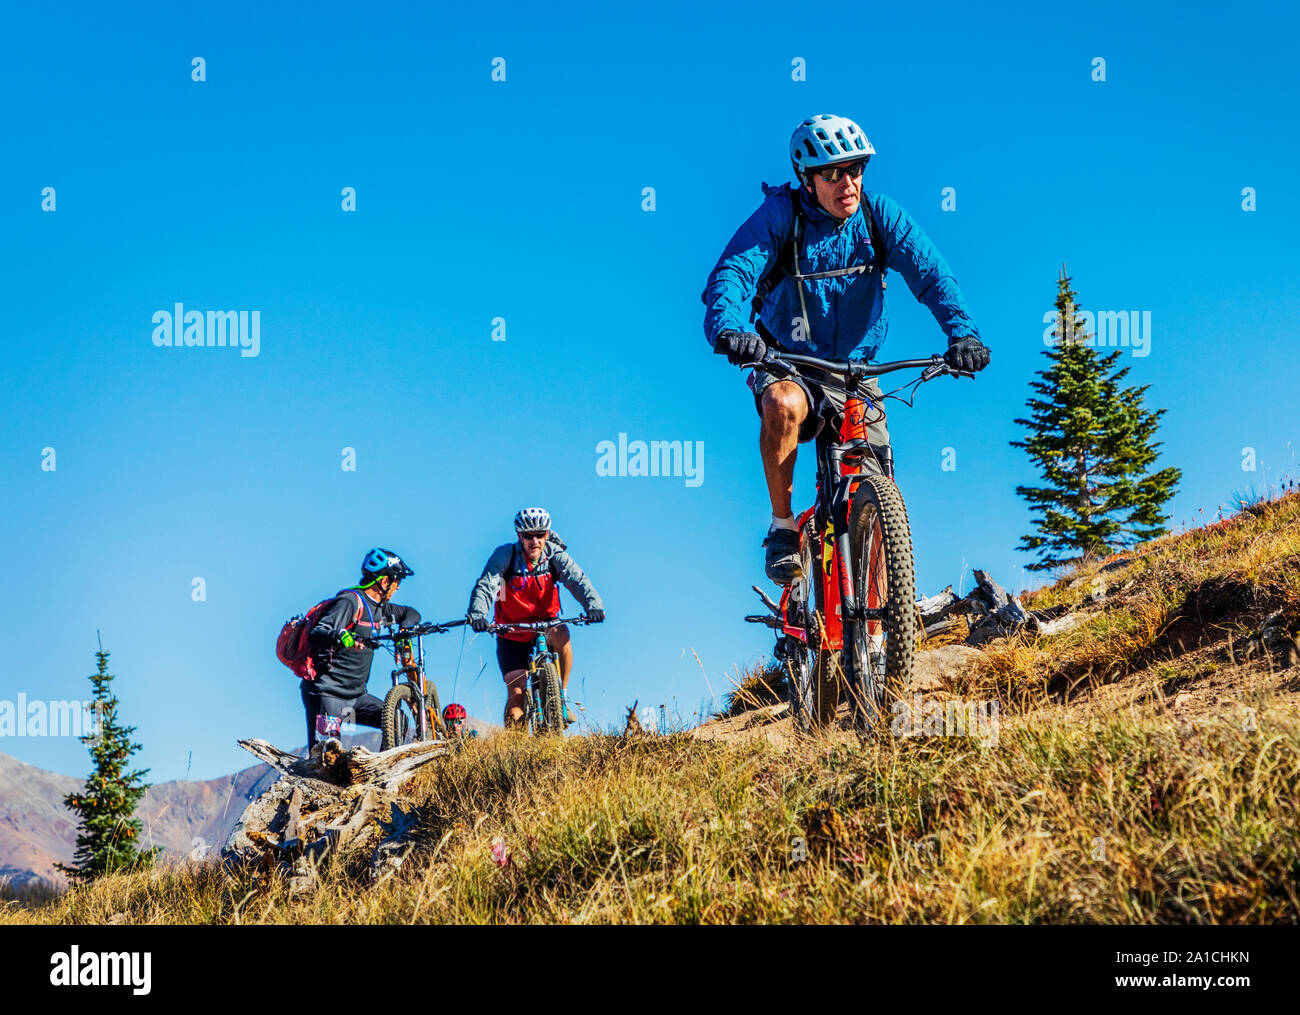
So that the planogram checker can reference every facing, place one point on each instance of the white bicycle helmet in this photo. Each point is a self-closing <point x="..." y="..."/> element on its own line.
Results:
<point x="824" y="140"/>
<point x="532" y="519"/>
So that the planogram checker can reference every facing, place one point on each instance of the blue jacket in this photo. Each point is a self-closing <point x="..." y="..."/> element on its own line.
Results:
<point x="846" y="313"/>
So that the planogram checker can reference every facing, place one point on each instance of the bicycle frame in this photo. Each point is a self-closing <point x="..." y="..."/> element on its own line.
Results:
<point x="541" y="650"/>
<point x="408" y="654"/>
<point x="410" y="665"/>
<point x="540" y="653"/>
<point x="840" y="468"/>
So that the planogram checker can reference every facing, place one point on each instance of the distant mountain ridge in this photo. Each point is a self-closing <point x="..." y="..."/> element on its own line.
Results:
<point x="37" y="830"/>
<point x="183" y="817"/>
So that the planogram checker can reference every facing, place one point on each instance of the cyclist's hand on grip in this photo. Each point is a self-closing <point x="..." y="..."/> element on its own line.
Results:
<point x="740" y="347"/>
<point x="479" y="624"/>
<point x="967" y="354"/>
<point x="595" y="616"/>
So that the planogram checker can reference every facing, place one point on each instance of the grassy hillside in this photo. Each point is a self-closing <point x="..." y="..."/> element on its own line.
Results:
<point x="1146" y="768"/>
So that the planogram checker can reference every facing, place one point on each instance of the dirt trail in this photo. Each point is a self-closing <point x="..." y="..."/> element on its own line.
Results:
<point x="1206" y="688"/>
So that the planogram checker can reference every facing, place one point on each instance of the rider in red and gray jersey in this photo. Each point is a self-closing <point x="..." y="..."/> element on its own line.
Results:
<point x="523" y="579"/>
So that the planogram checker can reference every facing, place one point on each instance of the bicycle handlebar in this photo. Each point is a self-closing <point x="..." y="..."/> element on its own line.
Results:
<point x="537" y="625"/>
<point x="406" y="633"/>
<point x="854" y="370"/>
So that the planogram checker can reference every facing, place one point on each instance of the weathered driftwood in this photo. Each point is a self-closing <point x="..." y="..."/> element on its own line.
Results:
<point x="391" y="853"/>
<point x="996" y="613"/>
<point x="1062" y="623"/>
<point x="943" y="626"/>
<point x="334" y="799"/>
<point x="937" y="607"/>
<point x="993" y="613"/>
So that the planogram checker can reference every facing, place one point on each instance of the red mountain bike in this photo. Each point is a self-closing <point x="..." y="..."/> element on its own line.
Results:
<point x="848" y="623"/>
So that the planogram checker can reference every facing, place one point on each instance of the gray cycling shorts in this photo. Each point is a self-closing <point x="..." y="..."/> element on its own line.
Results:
<point x="826" y="405"/>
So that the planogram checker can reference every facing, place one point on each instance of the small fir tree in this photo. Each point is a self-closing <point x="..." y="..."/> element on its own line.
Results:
<point x="110" y="832"/>
<point x="1093" y="442"/>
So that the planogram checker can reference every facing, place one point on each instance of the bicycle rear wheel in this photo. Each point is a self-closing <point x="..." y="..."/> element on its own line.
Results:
<point x="436" y="726"/>
<point x="879" y="653"/>
<point x="400" y="719"/>
<point x="812" y="681"/>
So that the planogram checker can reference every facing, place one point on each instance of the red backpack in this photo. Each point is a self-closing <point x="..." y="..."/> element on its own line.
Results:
<point x="291" y="647"/>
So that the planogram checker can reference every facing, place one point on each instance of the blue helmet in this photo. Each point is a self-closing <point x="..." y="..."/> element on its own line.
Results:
<point x="824" y="140"/>
<point x="379" y="562"/>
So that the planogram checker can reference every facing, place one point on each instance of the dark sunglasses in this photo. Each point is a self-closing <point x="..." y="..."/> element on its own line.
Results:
<point x="832" y="174"/>
<point x="532" y="535"/>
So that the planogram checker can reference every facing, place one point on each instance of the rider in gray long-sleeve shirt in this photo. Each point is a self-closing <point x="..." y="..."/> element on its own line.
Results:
<point x="523" y="579"/>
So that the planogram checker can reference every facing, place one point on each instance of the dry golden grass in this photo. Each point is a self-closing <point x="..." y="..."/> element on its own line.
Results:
<point x="1210" y="586"/>
<point x="1117" y="820"/>
<point x="1161" y="807"/>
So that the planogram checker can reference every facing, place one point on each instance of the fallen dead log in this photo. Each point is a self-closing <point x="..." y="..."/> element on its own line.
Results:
<point x="1061" y="623"/>
<point x="943" y="626"/>
<point x="999" y="613"/>
<point x="992" y="612"/>
<point x="937" y="607"/>
<point x="332" y="800"/>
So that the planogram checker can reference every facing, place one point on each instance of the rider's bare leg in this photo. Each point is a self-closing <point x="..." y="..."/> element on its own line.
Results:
<point x="785" y="407"/>
<point x="514" y="711"/>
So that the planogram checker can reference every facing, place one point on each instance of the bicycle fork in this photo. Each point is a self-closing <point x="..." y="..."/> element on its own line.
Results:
<point x="845" y="461"/>
<point x="413" y="671"/>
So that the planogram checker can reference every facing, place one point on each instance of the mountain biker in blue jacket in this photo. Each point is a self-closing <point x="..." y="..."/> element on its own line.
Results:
<point x="843" y="239"/>
<point x="338" y="694"/>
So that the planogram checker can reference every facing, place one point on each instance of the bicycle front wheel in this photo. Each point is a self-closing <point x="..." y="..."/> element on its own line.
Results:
<point x="812" y="683"/>
<point x="400" y="721"/>
<point x="880" y="650"/>
<point x="548" y="687"/>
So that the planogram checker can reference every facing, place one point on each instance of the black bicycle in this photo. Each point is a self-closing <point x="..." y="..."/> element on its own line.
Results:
<point x="411" y="710"/>
<point x="543" y="701"/>
<point x="848" y="622"/>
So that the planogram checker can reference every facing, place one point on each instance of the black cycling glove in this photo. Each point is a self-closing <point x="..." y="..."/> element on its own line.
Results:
<point x="479" y="624"/>
<point x="740" y="347"/>
<point x="595" y="616"/>
<point x="967" y="354"/>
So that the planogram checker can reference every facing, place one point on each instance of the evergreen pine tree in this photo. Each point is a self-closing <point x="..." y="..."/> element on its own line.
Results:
<point x="110" y="832"/>
<point x="1092" y="441"/>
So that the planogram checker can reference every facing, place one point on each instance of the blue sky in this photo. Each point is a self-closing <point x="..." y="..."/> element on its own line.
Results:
<point x="523" y="200"/>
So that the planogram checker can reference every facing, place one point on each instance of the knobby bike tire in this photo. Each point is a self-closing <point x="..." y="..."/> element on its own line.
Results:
<point x="877" y="499"/>
<point x="532" y="711"/>
<point x="552" y="709"/>
<point x="437" y="728"/>
<point x="395" y="726"/>
<point x="812" y="684"/>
